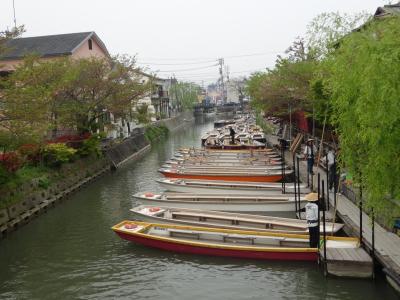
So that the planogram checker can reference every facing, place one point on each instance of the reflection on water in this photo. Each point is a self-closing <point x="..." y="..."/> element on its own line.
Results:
<point x="71" y="252"/>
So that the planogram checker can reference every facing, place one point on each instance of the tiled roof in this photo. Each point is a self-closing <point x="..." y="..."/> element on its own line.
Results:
<point x="391" y="9"/>
<point x="49" y="45"/>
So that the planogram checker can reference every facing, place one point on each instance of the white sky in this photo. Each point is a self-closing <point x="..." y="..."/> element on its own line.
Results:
<point x="183" y="34"/>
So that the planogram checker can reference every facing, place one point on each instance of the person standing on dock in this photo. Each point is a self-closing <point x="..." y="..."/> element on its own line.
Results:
<point x="311" y="210"/>
<point x="309" y="154"/>
<point x="232" y="134"/>
<point x="331" y="165"/>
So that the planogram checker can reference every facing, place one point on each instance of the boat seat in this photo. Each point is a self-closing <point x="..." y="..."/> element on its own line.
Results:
<point x="235" y="220"/>
<point x="183" y="233"/>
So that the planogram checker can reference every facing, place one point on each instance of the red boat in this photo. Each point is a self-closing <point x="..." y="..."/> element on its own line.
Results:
<point x="225" y="242"/>
<point x="271" y="176"/>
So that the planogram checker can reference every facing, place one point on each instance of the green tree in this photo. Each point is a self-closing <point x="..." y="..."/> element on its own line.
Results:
<point x="6" y="35"/>
<point x="46" y="95"/>
<point x="95" y="87"/>
<point x="142" y="114"/>
<point x="185" y="93"/>
<point x="364" y="87"/>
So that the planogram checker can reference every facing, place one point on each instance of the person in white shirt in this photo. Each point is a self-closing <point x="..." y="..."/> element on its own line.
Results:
<point x="311" y="210"/>
<point x="309" y="153"/>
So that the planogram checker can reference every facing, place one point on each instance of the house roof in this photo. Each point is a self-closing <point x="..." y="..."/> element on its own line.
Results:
<point x="49" y="45"/>
<point x="390" y="9"/>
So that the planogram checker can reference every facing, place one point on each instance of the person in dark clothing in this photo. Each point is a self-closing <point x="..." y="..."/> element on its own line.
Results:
<point x="311" y="210"/>
<point x="232" y="134"/>
<point x="309" y="153"/>
<point x="331" y="165"/>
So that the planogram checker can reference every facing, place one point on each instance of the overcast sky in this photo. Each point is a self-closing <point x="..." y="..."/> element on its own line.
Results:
<point x="183" y="37"/>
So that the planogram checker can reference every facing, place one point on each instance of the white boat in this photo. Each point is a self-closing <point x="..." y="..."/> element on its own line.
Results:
<point x="235" y="203"/>
<point x="208" y="218"/>
<point x="226" y="187"/>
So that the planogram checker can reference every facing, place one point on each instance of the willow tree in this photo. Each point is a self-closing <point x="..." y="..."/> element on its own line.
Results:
<point x="185" y="93"/>
<point x="365" y="89"/>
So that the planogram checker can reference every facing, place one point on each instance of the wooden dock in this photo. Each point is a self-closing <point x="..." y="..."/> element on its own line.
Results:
<point x="347" y="262"/>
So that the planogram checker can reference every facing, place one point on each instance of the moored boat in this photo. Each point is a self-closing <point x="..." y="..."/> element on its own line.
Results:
<point x="251" y="176"/>
<point x="236" y="203"/>
<point x="208" y="218"/>
<point x="225" y="242"/>
<point x="225" y="187"/>
<point x="213" y="167"/>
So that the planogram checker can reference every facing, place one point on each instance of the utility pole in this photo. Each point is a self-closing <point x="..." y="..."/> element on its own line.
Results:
<point x="221" y="73"/>
<point x="15" y="19"/>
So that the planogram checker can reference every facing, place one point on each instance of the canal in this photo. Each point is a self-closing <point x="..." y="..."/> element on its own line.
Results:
<point x="71" y="252"/>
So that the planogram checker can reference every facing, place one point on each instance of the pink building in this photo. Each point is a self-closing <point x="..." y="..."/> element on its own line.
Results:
<point x="76" y="45"/>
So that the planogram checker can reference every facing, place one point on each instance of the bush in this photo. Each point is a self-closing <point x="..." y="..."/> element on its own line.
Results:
<point x="4" y="175"/>
<point x="30" y="152"/>
<point x="11" y="161"/>
<point x="57" y="154"/>
<point x="91" y="146"/>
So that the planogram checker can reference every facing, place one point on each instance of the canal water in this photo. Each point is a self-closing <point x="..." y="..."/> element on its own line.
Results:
<point x="71" y="252"/>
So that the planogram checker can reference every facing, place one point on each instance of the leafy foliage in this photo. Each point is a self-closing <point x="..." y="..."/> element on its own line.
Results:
<point x="91" y="146"/>
<point x="185" y="93"/>
<point x="350" y="78"/>
<point x="9" y="34"/>
<point x="364" y="88"/>
<point x="57" y="154"/>
<point x="10" y="161"/>
<point x="43" y="96"/>
<point x="142" y="114"/>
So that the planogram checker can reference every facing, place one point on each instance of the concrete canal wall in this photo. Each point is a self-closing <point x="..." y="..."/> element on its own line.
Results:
<point x="132" y="147"/>
<point x="38" y="200"/>
<point x="177" y="122"/>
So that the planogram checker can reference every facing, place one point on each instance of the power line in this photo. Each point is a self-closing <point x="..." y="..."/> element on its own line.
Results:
<point x="177" y="64"/>
<point x="190" y="69"/>
<point x="198" y="59"/>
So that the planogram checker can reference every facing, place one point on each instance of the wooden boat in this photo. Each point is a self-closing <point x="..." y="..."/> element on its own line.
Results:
<point x="239" y="160"/>
<point x="225" y="187"/>
<point x="208" y="218"/>
<point x="236" y="146"/>
<point x="225" y="242"/>
<point x="230" y="155"/>
<point x="212" y="167"/>
<point x="204" y="162"/>
<point x="225" y="152"/>
<point x="236" y="203"/>
<point x="251" y="176"/>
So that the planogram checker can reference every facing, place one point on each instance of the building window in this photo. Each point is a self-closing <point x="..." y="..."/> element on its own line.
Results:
<point x="90" y="44"/>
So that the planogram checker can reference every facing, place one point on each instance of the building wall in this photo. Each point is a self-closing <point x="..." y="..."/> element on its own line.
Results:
<point x="232" y="93"/>
<point x="84" y="52"/>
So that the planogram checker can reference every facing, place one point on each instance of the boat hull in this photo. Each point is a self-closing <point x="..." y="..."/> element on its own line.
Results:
<point x="250" y="178"/>
<point x="275" y="254"/>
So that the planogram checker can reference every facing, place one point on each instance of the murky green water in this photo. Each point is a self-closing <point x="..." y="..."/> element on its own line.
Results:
<point x="71" y="253"/>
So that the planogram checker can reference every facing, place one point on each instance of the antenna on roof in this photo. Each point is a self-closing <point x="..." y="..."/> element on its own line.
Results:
<point x="15" y="19"/>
